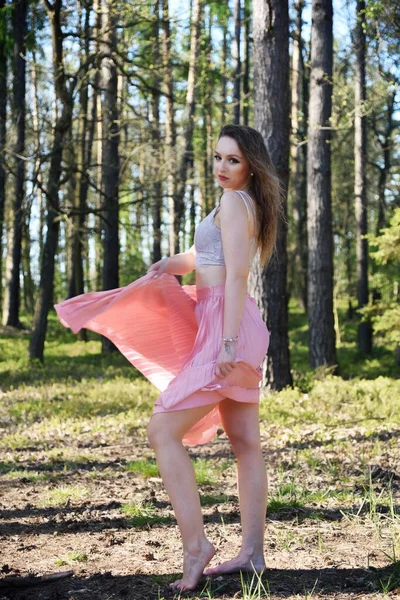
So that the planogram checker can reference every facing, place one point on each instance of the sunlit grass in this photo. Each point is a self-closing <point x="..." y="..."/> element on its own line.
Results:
<point x="62" y="495"/>
<point x="32" y="476"/>
<point x="142" y="514"/>
<point x="146" y="468"/>
<point x="72" y="557"/>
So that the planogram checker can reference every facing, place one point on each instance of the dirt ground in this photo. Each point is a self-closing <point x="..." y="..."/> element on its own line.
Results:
<point x="324" y="547"/>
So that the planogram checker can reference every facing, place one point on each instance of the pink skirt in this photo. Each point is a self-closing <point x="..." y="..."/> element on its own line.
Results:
<point x="172" y="335"/>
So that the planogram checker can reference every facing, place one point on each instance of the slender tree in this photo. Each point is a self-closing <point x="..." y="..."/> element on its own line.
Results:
<point x="170" y="128"/>
<point x="360" y="183"/>
<point x="80" y="180"/>
<point x="298" y="159"/>
<point x="110" y="156"/>
<point x="188" y="119"/>
<point x="322" y="346"/>
<point x="237" y="61"/>
<point x="246" y="68"/>
<point x="11" y="305"/>
<point x="385" y="141"/>
<point x="156" y="136"/>
<point x="3" y="129"/>
<point x="63" y="118"/>
<point x="272" y="106"/>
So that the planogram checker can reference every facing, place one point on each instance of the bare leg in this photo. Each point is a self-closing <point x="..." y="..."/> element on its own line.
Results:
<point x="165" y="432"/>
<point x="241" y="424"/>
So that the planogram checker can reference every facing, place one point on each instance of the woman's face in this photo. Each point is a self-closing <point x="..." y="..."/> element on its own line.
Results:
<point x="231" y="168"/>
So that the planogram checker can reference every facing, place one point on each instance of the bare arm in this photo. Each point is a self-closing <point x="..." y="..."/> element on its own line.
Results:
<point x="236" y="245"/>
<point x="179" y="264"/>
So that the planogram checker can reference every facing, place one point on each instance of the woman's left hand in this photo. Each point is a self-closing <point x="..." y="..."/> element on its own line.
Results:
<point x="225" y="362"/>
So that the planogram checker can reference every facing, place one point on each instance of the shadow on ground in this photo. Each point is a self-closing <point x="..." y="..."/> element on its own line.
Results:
<point x="276" y="583"/>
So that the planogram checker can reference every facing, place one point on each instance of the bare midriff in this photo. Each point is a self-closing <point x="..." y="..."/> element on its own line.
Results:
<point x="210" y="275"/>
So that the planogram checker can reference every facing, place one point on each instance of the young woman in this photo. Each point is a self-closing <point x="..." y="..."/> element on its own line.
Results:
<point x="203" y="346"/>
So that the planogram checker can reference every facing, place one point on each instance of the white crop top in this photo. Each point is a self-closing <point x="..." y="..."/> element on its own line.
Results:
<point x="208" y="239"/>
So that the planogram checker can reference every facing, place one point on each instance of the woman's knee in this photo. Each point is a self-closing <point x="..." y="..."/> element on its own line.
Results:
<point x="158" y="434"/>
<point x="243" y="442"/>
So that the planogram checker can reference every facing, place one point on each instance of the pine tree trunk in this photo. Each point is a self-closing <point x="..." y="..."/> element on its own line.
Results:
<point x="62" y="126"/>
<point x="3" y="139"/>
<point x="110" y="156"/>
<point x="298" y="161"/>
<point x="246" y="69"/>
<point x="11" y="305"/>
<point x="170" y="129"/>
<point x="156" y="140"/>
<point x="272" y="106"/>
<point x="237" y="66"/>
<point x="189" y="120"/>
<point x="37" y="139"/>
<point x="360" y="184"/>
<point x="76" y="279"/>
<point x="387" y="149"/>
<point x="322" y="348"/>
<point x="224" y="79"/>
<point x="26" y="262"/>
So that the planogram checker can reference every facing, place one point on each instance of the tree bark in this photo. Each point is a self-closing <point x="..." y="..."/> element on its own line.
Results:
<point x="11" y="305"/>
<point x="110" y="156"/>
<point x="3" y="137"/>
<point x="237" y="66"/>
<point x="80" y="189"/>
<point x="224" y="79"/>
<point x="322" y="344"/>
<point x="360" y="183"/>
<point x="246" y="69"/>
<point x="63" y="95"/>
<point x="386" y="145"/>
<point x="170" y="128"/>
<point x="272" y="106"/>
<point x="298" y="179"/>
<point x="156" y="139"/>
<point x="188" y="119"/>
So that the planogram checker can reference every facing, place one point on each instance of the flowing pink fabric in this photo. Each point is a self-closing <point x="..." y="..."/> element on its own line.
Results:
<point x="172" y="334"/>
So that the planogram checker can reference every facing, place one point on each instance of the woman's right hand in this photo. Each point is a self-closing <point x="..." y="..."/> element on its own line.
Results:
<point x="158" y="267"/>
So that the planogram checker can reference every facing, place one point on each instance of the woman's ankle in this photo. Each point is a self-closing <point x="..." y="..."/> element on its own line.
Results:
<point x="196" y="546"/>
<point x="252" y="553"/>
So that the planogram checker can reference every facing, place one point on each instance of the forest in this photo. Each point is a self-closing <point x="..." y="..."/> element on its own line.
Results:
<point x="109" y="118"/>
<point x="110" y="112"/>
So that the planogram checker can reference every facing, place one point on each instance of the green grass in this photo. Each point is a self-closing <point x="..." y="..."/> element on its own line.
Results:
<point x="143" y="514"/>
<point x="32" y="476"/>
<point x="212" y="499"/>
<point x="146" y="468"/>
<point x="72" y="557"/>
<point x="63" y="494"/>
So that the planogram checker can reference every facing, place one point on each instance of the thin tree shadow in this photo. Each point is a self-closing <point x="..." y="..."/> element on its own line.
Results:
<point x="277" y="583"/>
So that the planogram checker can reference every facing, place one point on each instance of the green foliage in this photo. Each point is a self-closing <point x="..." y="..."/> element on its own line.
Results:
<point x="388" y="242"/>
<point x="385" y="312"/>
<point x="5" y="29"/>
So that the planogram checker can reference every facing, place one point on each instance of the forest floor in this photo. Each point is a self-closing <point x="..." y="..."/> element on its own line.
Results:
<point x="80" y="493"/>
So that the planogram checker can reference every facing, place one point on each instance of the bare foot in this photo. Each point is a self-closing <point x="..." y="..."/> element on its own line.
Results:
<point x="193" y="567"/>
<point x="236" y="564"/>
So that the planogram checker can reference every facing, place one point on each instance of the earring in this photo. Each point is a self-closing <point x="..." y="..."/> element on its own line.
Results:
<point x="252" y="174"/>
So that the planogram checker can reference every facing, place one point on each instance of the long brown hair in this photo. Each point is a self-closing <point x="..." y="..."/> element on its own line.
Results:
<point x="266" y="187"/>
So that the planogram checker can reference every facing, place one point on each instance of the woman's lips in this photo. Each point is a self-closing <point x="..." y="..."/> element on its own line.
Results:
<point x="222" y="178"/>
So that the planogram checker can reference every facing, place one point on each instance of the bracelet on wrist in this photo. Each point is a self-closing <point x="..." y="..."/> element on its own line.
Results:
<point x="230" y="339"/>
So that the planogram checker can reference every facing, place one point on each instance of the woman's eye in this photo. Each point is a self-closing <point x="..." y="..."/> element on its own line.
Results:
<point x="234" y="160"/>
<point x="216" y="157"/>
